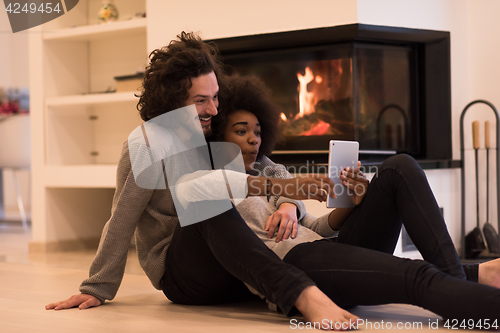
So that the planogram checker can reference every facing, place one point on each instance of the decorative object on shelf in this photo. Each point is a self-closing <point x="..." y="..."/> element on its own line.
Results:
<point x="129" y="82"/>
<point x="107" y="12"/>
<point x="13" y="101"/>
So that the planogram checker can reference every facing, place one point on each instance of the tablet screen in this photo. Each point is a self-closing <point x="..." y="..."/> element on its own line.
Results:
<point x="341" y="154"/>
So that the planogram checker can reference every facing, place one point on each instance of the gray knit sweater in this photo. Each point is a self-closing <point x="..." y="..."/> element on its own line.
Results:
<point x="151" y="215"/>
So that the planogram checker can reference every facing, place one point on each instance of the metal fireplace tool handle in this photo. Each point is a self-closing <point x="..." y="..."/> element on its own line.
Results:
<point x="490" y="234"/>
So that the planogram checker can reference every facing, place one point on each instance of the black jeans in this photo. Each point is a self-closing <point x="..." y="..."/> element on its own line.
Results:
<point x="207" y="262"/>
<point x="358" y="268"/>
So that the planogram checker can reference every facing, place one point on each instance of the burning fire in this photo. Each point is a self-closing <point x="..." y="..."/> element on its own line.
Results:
<point x="320" y="98"/>
<point x="307" y="100"/>
<point x="319" y="129"/>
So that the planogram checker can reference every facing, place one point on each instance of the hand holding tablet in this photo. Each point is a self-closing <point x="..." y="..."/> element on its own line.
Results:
<point x="342" y="154"/>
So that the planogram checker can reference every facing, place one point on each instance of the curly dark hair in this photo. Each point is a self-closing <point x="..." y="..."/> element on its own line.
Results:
<point x="250" y="94"/>
<point x="168" y="76"/>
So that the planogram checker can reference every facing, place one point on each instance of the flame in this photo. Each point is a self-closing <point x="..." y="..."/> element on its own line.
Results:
<point x="283" y="117"/>
<point x="306" y="99"/>
<point x="318" y="79"/>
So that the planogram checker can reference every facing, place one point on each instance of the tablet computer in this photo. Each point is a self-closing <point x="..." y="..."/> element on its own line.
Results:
<point x="341" y="154"/>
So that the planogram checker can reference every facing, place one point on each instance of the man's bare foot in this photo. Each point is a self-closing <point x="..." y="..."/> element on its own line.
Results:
<point x="316" y="307"/>
<point x="489" y="273"/>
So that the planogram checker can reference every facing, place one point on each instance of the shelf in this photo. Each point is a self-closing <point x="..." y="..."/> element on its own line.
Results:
<point x="91" y="99"/>
<point x="97" y="31"/>
<point x="80" y="176"/>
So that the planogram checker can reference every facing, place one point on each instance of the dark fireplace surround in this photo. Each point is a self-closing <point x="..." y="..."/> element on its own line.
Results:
<point x="424" y="130"/>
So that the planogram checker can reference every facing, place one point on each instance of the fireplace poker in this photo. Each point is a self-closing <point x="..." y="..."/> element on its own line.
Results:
<point x="489" y="232"/>
<point x="474" y="241"/>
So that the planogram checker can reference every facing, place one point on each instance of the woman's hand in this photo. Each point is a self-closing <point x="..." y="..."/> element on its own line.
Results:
<point x="83" y="301"/>
<point x="286" y="218"/>
<point x="355" y="180"/>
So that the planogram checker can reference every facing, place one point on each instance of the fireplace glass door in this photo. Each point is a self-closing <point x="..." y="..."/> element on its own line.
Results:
<point x="351" y="91"/>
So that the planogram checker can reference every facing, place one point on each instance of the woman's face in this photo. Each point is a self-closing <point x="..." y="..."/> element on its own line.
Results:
<point x="243" y="129"/>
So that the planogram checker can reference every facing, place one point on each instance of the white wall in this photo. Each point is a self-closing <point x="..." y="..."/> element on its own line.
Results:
<point x="484" y="48"/>
<point x="225" y="18"/>
<point x="14" y="74"/>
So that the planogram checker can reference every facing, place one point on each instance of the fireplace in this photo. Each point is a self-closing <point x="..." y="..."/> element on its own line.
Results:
<point x="386" y="87"/>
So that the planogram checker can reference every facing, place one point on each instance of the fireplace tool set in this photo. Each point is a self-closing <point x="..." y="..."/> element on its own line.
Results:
<point x="473" y="244"/>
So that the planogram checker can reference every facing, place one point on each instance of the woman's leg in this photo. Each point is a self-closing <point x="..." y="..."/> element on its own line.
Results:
<point x="352" y="275"/>
<point x="207" y="262"/>
<point x="399" y="193"/>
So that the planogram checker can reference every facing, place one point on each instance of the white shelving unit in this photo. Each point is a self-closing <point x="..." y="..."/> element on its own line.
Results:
<point x="78" y="124"/>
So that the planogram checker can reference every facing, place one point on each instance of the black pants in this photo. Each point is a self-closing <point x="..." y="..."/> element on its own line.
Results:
<point x="358" y="268"/>
<point x="207" y="262"/>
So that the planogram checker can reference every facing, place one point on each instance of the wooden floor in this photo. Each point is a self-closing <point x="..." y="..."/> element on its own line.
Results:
<point x="29" y="282"/>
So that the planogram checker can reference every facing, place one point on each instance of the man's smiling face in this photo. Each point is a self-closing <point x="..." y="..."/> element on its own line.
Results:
<point x="204" y="94"/>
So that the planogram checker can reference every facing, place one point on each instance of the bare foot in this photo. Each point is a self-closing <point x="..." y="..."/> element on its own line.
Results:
<point x="318" y="309"/>
<point x="489" y="273"/>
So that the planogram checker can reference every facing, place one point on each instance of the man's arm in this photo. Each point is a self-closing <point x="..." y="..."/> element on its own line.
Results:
<point x="106" y="271"/>
<point x="211" y="185"/>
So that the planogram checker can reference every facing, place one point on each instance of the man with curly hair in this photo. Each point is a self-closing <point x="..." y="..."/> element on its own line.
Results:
<point x="207" y="262"/>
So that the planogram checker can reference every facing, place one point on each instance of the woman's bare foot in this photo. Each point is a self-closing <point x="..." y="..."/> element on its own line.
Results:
<point x="489" y="273"/>
<point x="317" y="308"/>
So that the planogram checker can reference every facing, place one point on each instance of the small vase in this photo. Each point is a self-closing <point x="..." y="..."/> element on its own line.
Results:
<point x="107" y="12"/>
